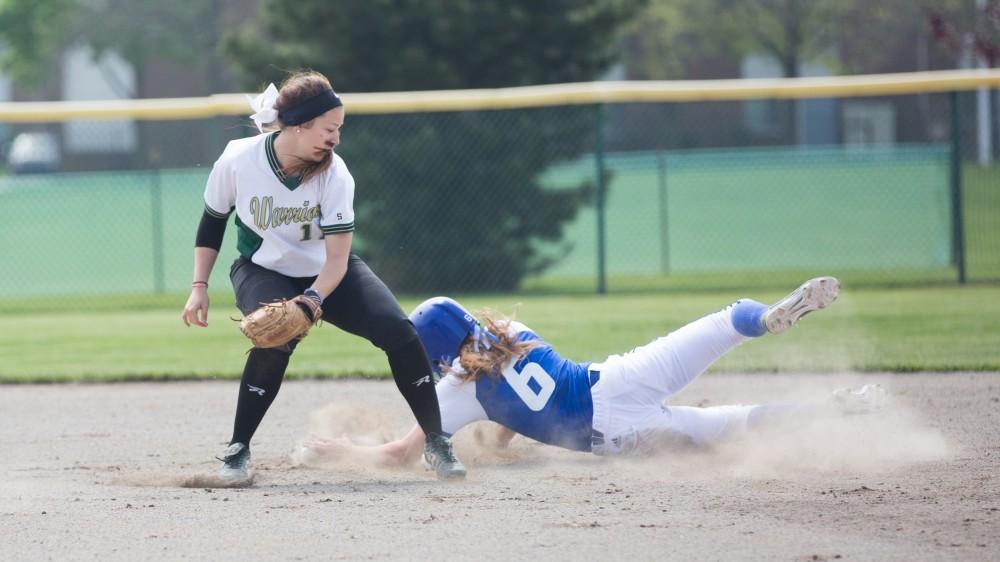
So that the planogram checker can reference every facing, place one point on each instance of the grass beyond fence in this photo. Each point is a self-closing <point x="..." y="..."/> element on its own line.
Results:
<point x="132" y="338"/>
<point x="733" y="219"/>
<point x="699" y="211"/>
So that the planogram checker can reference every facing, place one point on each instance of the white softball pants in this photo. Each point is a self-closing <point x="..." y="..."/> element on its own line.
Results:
<point x="629" y="413"/>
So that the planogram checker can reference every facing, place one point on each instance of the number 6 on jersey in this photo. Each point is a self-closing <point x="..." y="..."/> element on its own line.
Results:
<point x="535" y="401"/>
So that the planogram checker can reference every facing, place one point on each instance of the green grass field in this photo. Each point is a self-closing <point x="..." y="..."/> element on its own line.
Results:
<point x="868" y="329"/>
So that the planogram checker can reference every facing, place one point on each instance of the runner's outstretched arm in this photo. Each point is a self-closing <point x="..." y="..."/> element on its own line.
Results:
<point x="401" y="452"/>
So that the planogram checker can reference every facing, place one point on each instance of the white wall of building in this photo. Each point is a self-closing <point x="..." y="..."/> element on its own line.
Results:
<point x="108" y="78"/>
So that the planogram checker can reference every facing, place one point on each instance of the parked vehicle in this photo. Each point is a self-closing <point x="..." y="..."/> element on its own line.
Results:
<point x="34" y="153"/>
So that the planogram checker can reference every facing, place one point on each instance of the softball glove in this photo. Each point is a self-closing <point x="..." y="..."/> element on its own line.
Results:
<point x="277" y="323"/>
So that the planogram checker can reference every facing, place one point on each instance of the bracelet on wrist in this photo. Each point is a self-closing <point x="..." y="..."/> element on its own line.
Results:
<point x="199" y="284"/>
<point x="314" y="295"/>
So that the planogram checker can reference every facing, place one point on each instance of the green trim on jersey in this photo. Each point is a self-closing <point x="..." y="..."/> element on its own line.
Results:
<point x="337" y="228"/>
<point x="291" y="182"/>
<point x="247" y="241"/>
<point x="213" y="213"/>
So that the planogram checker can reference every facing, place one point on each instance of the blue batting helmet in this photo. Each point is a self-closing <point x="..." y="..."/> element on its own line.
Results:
<point x="443" y="325"/>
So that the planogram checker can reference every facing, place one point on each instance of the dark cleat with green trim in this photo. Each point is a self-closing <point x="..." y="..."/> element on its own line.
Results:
<point x="236" y="464"/>
<point x="439" y="456"/>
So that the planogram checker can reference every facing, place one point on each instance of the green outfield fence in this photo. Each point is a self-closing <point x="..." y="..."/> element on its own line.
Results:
<point x="599" y="187"/>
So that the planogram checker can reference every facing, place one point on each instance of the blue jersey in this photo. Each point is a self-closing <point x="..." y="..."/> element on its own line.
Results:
<point x="542" y="396"/>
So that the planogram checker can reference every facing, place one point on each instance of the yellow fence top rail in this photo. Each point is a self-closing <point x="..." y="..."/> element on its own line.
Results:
<point x="527" y="96"/>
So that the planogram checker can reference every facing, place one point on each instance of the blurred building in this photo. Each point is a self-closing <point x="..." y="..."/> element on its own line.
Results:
<point x="130" y="144"/>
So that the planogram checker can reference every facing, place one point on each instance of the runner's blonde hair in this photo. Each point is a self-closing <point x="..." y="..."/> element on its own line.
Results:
<point x="478" y="360"/>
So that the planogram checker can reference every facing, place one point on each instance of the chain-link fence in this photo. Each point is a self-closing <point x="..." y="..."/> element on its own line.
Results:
<point x="611" y="197"/>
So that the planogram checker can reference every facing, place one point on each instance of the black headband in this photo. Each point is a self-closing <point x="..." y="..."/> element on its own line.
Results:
<point x="311" y="108"/>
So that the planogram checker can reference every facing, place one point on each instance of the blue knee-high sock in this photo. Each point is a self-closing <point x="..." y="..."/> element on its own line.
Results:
<point x="748" y="318"/>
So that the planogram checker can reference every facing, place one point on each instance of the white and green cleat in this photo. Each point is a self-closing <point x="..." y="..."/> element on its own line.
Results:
<point x="236" y="464"/>
<point x="440" y="457"/>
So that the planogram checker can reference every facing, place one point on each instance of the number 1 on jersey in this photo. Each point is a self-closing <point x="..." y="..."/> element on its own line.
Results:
<point x="307" y="232"/>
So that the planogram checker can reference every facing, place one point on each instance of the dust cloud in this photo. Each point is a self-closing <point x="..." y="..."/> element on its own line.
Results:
<point x="827" y="441"/>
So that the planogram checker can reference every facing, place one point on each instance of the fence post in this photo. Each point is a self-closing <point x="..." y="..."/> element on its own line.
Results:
<point x="156" y="206"/>
<point x="601" y="188"/>
<point x="957" y="221"/>
<point x="661" y="173"/>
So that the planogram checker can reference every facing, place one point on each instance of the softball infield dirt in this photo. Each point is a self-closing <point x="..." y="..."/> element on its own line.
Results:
<point x="122" y="471"/>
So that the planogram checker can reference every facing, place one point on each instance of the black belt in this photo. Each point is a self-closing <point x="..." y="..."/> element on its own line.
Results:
<point x="596" y="437"/>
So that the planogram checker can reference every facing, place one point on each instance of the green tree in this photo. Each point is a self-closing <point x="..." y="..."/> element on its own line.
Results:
<point x="450" y="201"/>
<point x="674" y="32"/>
<point x="31" y="31"/>
<point x="669" y="34"/>
<point x="35" y="32"/>
<point x="790" y="31"/>
<point x="844" y="35"/>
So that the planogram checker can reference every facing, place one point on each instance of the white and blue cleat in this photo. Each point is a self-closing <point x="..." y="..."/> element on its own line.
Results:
<point x="814" y="294"/>
<point x="753" y="319"/>
<point x="865" y="399"/>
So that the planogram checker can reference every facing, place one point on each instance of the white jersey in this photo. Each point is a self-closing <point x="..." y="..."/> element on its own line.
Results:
<point x="281" y="223"/>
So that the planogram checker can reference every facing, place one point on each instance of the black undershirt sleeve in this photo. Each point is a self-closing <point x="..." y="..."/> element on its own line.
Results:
<point x="211" y="229"/>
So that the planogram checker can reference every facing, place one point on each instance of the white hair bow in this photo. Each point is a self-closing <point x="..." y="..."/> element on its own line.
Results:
<point x="263" y="106"/>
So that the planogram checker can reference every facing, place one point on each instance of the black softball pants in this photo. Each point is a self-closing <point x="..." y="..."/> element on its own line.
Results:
<point x="361" y="305"/>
